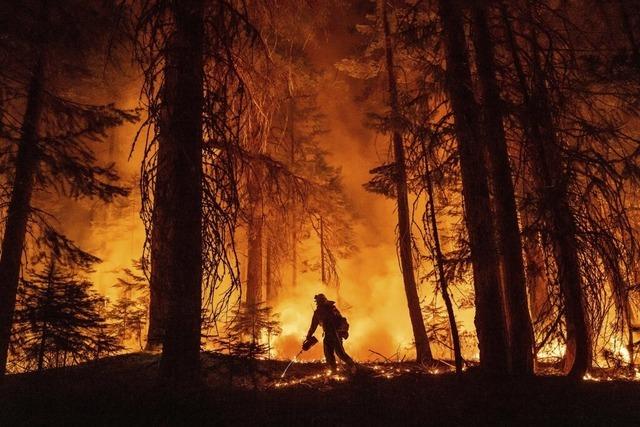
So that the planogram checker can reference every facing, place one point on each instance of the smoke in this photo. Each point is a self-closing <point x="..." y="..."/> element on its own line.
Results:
<point x="371" y="293"/>
<point x="111" y="231"/>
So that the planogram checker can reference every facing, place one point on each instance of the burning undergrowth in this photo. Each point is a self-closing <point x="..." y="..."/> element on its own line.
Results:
<point x="263" y="374"/>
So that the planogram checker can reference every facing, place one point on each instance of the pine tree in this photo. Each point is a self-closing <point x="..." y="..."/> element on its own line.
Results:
<point x="129" y="312"/>
<point x="57" y="321"/>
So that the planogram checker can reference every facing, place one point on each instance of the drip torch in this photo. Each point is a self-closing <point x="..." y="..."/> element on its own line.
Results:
<point x="306" y="345"/>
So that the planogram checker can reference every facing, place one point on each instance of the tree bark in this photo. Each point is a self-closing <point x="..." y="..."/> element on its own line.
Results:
<point x="489" y="317"/>
<point x="534" y="257"/>
<point x="323" y="271"/>
<point x="423" y="350"/>
<point x="538" y="294"/>
<point x="254" y="241"/>
<point x="26" y="166"/>
<point x="518" y="321"/>
<point x="270" y="281"/>
<point x="183" y="104"/>
<point x="160" y="264"/>
<point x="294" y="204"/>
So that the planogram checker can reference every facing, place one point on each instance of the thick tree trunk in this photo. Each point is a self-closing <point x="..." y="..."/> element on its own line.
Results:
<point x="270" y="279"/>
<point x="18" y="211"/>
<point x="489" y="318"/>
<point x="423" y="350"/>
<point x="254" y="242"/>
<point x="294" y="204"/>
<point x="294" y="254"/>
<point x="518" y="321"/>
<point x="547" y="167"/>
<point x="538" y="294"/>
<point x="442" y="278"/>
<point x="183" y="103"/>
<point x="158" y="290"/>
<point x="323" y="266"/>
<point x="563" y="234"/>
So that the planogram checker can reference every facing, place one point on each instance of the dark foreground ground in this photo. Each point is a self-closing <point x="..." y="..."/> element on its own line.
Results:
<point x="123" y="391"/>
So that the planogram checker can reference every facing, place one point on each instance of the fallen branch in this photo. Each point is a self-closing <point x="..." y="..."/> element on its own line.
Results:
<point x="381" y="355"/>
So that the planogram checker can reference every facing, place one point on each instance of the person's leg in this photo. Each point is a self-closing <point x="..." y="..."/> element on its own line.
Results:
<point x="342" y="354"/>
<point x="328" y="354"/>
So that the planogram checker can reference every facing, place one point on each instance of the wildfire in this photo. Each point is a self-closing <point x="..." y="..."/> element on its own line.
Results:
<point x="322" y="377"/>
<point x="381" y="371"/>
<point x="552" y="352"/>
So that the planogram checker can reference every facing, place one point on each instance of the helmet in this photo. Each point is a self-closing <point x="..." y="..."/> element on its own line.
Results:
<point x="320" y="299"/>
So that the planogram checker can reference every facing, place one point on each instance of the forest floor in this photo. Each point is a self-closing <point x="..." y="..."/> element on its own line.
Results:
<point x="124" y="390"/>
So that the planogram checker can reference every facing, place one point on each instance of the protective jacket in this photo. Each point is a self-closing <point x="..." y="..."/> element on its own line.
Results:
<point x="327" y="316"/>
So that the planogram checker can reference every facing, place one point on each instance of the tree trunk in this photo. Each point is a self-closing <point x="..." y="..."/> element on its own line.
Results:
<point x="270" y="280"/>
<point x="254" y="240"/>
<point x="619" y="289"/>
<point x="19" y="206"/>
<point x="294" y="204"/>
<point x="323" y="267"/>
<point x="552" y="186"/>
<point x="518" y="321"/>
<point x="489" y="317"/>
<point x="534" y="259"/>
<point x="423" y="350"/>
<point x="183" y="104"/>
<point x="553" y="189"/>
<point x="442" y="278"/>
<point x="294" y="252"/>
<point x="160" y="264"/>
<point x="538" y="294"/>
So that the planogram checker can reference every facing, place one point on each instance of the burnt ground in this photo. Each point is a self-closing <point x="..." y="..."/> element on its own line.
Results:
<point x="123" y="390"/>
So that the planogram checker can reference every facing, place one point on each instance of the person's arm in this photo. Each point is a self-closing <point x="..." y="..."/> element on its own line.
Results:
<point x="314" y="324"/>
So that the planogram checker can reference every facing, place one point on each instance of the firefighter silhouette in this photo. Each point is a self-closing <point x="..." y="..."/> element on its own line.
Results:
<point x="335" y="328"/>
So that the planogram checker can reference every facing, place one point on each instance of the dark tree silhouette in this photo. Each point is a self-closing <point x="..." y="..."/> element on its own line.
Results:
<point x="58" y="321"/>
<point x="52" y="142"/>
<point x="518" y="322"/>
<point x="551" y="185"/>
<point x="180" y="134"/>
<point x="489" y="318"/>
<point x="423" y="350"/>
<point x="128" y="315"/>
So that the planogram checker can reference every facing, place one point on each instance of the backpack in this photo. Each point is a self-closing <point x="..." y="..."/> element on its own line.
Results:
<point x="342" y="326"/>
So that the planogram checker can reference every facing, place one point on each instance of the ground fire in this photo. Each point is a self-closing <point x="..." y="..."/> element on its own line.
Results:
<point x="340" y="212"/>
